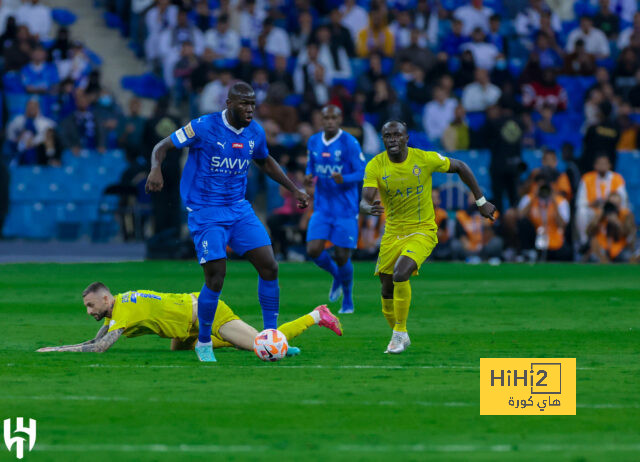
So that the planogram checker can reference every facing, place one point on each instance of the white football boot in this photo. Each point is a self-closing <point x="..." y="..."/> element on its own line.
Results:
<point x="399" y="342"/>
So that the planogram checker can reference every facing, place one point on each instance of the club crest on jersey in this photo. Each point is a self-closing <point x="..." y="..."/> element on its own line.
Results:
<point x="417" y="170"/>
<point x="326" y="154"/>
<point x="252" y="144"/>
<point x="237" y="145"/>
<point x="338" y="154"/>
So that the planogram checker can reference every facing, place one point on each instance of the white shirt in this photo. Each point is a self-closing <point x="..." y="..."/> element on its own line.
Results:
<point x="226" y="45"/>
<point x="15" y="130"/>
<point x="213" y="97"/>
<point x="484" y="54"/>
<point x="623" y="8"/>
<point x="528" y="21"/>
<point x="437" y="117"/>
<point x="155" y="23"/>
<point x="37" y="18"/>
<point x="476" y="97"/>
<point x="138" y="6"/>
<point x="472" y="18"/>
<point x="402" y="36"/>
<point x="595" y="42"/>
<point x="625" y="38"/>
<point x="278" y="43"/>
<point x="250" y="25"/>
<point x="581" y="196"/>
<point x="355" y="20"/>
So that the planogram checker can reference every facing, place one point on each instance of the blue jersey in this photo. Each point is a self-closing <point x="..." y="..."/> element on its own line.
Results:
<point x="219" y="157"/>
<point x="341" y="154"/>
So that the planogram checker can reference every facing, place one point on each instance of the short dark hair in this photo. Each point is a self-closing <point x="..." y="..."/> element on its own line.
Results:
<point x="94" y="287"/>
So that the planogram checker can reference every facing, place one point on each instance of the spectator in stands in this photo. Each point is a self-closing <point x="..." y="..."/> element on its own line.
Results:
<point x="27" y="135"/>
<point x="426" y="20"/>
<point x="9" y="32"/>
<point x="223" y="40"/>
<point x="60" y="50"/>
<point x="572" y="171"/>
<point x="334" y="57"/>
<point x="6" y="12"/>
<point x="303" y="33"/>
<point x="109" y="116"/>
<point x="77" y="67"/>
<point x="245" y="66"/>
<point x="438" y="114"/>
<point x="600" y="138"/>
<point x="548" y="174"/>
<point x="418" y="91"/>
<point x="480" y="94"/>
<point x="204" y="72"/>
<point x="527" y="22"/>
<point x="17" y="52"/>
<point x="274" y="108"/>
<point x="484" y="54"/>
<point x="340" y="35"/>
<point x="626" y="9"/>
<point x="277" y="39"/>
<point x="634" y="92"/>
<point x="628" y="129"/>
<point x="250" y="21"/>
<point x="503" y="134"/>
<point x="36" y="17"/>
<point x="81" y="129"/>
<point x="420" y="55"/>
<point x="39" y="77"/>
<point x="170" y="44"/>
<point x="443" y="250"/>
<point x="131" y="130"/>
<point x="375" y="37"/>
<point x="280" y="73"/>
<point x="543" y="218"/>
<point x="547" y="91"/>
<point x="473" y="16"/>
<point x="465" y="75"/>
<point x="311" y="79"/>
<point x="386" y="104"/>
<point x="624" y="39"/>
<point x="495" y="35"/>
<point x="183" y="70"/>
<point x="606" y="20"/>
<point x="548" y="56"/>
<point x="260" y="84"/>
<point x="161" y="17"/>
<point x="593" y="191"/>
<point x="214" y="95"/>
<point x="612" y="232"/>
<point x="624" y="75"/>
<point x="354" y="18"/>
<point x="457" y="135"/>
<point x="595" y="41"/>
<point x="401" y="29"/>
<point x="475" y="237"/>
<point x="454" y="40"/>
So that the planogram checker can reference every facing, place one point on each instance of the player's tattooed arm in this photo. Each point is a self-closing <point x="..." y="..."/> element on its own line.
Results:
<point x="369" y="204"/>
<point x="155" y="182"/>
<point x="94" y="346"/>
<point x="269" y="166"/>
<point x="466" y="175"/>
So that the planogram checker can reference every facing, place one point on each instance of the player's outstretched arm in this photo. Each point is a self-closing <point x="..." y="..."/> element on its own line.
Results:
<point x="155" y="182"/>
<point x="368" y="204"/>
<point x="269" y="166"/>
<point x="93" y="346"/>
<point x="487" y="209"/>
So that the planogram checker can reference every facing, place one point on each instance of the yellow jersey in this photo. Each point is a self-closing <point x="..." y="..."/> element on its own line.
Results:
<point x="405" y="189"/>
<point x="144" y="312"/>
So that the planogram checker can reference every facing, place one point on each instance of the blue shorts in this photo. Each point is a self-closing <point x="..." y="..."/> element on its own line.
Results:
<point x="213" y="228"/>
<point x="342" y="232"/>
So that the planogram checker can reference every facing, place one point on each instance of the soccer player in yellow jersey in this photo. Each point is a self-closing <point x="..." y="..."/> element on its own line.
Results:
<point x="175" y="316"/>
<point x="402" y="176"/>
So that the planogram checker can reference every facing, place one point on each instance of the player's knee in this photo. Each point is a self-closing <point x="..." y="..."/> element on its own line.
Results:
<point x="387" y="292"/>
<point x="341" y="256"/>
<point x="401" y="275"/>
<point x="269" y="271"/>
<point x="215" y="282"/>
<point x="314" y="250"/>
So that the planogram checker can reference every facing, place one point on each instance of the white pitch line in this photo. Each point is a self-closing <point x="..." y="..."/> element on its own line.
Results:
<point x="350" y="448"/>
<point x="310" y="402"/>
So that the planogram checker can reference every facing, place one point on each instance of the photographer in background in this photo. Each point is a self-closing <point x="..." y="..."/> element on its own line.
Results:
<point x="612" y="232"/>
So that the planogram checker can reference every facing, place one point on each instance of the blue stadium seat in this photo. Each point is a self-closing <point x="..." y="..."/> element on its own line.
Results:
<point x="63" y="16"/>
<point x="628" y="165"/>
<point x="145" y="86"/>
<point x="476" y="119"/>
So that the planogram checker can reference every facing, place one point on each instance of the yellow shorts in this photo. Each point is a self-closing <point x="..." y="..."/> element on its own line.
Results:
<point x="224" y="314"/>
<point x="417" y="246"/>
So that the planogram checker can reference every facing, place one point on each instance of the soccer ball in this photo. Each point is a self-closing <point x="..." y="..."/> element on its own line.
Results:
<point x="270" y="345"/>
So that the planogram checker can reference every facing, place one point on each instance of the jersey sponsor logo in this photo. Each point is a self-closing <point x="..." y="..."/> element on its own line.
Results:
<point x="326" y="154"/>
<point x="237" y="145"/>
<point x="228" y="165"/>
<point x="328" y="169"/>
<point x="136" y="295"/>
<point x="408" y="192"/>
<point x="189" y="131"/>
<point x="181" y="136"/>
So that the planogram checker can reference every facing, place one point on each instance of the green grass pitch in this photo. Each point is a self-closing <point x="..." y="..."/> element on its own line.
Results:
<point x="342" y="399"/>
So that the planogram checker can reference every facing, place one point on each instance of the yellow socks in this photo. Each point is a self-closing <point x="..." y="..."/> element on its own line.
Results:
<point x="294" y="328"/>
<point x="388" y="311"/>
<point x="401" y="302"/>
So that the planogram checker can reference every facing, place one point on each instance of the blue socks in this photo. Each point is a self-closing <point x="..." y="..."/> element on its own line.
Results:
<point x="325" y="262"/>
<point x="269" y="297"/>
<point x="345" y="273"/>
<point x="207" y="304"/>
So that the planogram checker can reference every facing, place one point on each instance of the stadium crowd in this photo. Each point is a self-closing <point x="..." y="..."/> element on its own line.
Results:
<point x="558" y="76"/>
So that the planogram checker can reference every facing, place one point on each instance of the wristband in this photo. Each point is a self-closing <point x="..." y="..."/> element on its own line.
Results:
<point x="480" y="202"/>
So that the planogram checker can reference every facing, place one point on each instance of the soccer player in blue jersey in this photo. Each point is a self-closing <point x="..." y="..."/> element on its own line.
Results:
<point x="221" y="148"/>
<point x="336" y="159"/>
